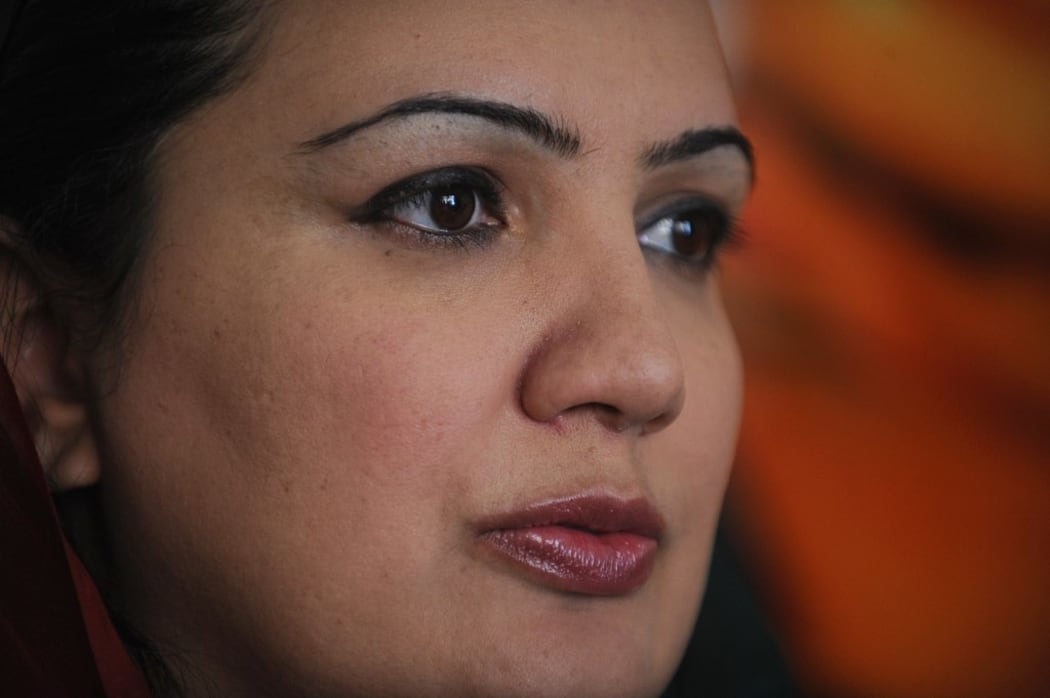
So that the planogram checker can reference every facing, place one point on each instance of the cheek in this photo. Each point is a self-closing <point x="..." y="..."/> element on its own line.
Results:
<point x="293" y="416"/>
<point x="360" y="406"/>
<point x="704" y="436"/>
<point x="698" y="449"/>
<point x="392" y="413"/>
<point x="703" y="441"/>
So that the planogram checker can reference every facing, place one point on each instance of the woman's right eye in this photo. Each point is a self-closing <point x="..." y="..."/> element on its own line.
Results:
<point x="454" y="203"/>
<point x="446" y="210"/>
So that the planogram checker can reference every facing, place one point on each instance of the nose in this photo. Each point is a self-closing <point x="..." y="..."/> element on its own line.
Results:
<point x="609" y="353"/>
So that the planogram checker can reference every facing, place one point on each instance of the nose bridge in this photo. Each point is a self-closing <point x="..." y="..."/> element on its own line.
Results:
<point x="608" y="350"/>
<point x="621" y="307"/>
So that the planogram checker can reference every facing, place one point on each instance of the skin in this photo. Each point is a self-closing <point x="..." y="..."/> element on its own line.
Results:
<point x="312" y="414"/>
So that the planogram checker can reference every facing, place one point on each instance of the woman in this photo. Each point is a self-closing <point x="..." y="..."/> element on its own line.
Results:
<point x="386" y="336"/>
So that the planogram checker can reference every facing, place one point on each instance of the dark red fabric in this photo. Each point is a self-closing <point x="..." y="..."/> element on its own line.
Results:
<point x="56" y="638"/>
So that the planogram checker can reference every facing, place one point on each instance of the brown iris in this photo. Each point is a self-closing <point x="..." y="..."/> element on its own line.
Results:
<point x="693" y="233"/>
<point x="452" y="207"/>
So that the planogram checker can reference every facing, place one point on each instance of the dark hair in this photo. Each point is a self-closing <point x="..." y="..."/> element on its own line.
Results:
<point x="87" y="89"/>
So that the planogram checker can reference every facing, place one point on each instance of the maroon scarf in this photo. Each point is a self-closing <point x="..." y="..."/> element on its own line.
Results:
<point x="56" y="638"/>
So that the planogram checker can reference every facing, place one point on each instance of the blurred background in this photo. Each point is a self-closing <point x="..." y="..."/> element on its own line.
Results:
<point x="891" y="502"/>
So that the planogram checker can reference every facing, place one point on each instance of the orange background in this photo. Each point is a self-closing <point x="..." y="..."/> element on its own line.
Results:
<point x="893" y="306"/>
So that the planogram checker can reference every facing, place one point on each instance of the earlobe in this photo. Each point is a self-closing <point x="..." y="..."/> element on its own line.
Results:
<point x="66" y="445"/>
<point x="47" y="376"/>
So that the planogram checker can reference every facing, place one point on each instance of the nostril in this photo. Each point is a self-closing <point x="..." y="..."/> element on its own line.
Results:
<point x="621" y="421"/>
<point x="610" y="417"/>
<point x="672" y="409"/>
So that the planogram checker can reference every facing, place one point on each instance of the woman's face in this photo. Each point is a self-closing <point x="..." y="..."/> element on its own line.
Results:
<point x="429" y="389"/>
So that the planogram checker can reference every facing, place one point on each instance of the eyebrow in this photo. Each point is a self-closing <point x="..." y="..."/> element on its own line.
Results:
<point x="552" y="134"/>
<point x="539" y="127"/>
<point x="697" y="142"/>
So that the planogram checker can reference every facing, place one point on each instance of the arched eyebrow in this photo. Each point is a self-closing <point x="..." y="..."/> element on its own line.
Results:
<point x="697" y="142"/>
<point x="551" y="133"/>
<point x="539" y="127"/>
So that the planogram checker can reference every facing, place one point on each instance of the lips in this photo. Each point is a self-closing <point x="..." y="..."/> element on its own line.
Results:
<point x="593" y="545"/>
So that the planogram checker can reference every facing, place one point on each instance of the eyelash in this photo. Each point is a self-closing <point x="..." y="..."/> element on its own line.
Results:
<point x="397" y="203"/>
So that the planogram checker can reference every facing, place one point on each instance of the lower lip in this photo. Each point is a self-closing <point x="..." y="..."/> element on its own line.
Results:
<point x="574" y="560"/>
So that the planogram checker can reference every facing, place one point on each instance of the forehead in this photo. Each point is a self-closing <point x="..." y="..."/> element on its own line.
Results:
<point x="620" y="71"/>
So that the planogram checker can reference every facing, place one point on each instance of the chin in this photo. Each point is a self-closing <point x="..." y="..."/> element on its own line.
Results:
<point x="582" y="647"/>
<point x="554" y="672"/>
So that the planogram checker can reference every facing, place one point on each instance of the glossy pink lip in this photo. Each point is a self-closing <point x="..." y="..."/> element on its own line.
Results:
<point x="595" y="545"/>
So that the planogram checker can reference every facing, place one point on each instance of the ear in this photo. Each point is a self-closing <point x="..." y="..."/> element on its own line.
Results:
<point x="47" y="375"/>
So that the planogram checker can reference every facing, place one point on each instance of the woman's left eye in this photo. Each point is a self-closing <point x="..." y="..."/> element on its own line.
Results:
<point x="692" y="231"/>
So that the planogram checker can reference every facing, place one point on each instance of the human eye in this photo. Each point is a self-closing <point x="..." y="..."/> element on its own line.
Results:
<point x="451" y="205"/>
<point x="691" y="230"/>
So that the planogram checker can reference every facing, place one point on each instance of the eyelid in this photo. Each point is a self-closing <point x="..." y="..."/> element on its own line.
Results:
<point x="685" y="204"/>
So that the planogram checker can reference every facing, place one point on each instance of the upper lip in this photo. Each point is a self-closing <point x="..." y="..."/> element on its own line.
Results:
<point x="599" y="513"/>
